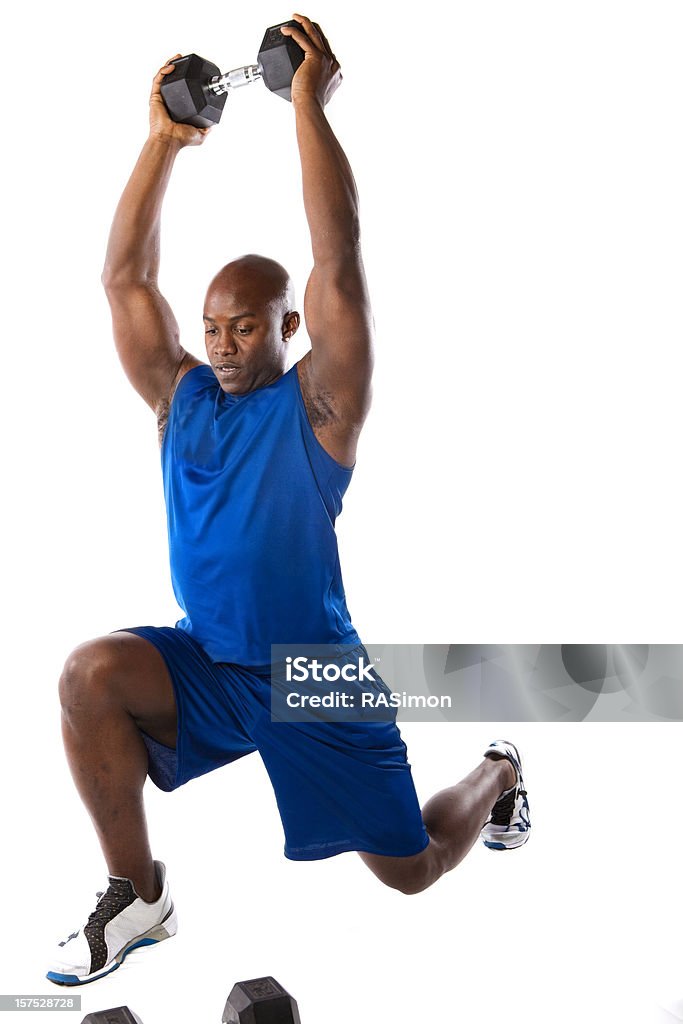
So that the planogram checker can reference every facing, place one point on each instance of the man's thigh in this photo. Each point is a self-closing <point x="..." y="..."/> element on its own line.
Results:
<point x="212" y="710"/>
<point x="342" y="786"/>
<point x="141" y="682"/>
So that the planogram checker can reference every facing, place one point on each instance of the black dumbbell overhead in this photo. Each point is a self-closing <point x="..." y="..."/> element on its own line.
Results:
<point x="195" y="91"/>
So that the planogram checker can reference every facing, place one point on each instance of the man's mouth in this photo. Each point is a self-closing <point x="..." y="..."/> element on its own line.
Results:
<point x="226" y="370"/>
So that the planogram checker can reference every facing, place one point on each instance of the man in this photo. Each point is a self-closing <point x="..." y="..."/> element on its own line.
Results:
<point x="256" y="460"/>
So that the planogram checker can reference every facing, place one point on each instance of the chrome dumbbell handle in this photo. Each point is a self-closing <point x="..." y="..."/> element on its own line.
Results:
<point x="234" y="79"/>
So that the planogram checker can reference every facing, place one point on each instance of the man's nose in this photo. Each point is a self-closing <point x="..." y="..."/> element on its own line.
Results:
<point x="225" y="345"/>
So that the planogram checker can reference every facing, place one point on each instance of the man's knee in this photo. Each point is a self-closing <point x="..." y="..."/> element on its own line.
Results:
<point x="87" y="675"/>
<point x="407" y="875"/>
<point x="408" y="886"/>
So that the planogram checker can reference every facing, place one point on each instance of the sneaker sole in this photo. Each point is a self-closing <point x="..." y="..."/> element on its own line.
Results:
<point x="492" y="845"/>
<point x="158" y="933"/>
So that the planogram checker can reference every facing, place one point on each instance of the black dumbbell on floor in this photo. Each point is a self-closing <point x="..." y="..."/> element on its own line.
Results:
<point x="195" y="91"/>
<point x="259" y="1001"/>
<point x="117" y="1015"/>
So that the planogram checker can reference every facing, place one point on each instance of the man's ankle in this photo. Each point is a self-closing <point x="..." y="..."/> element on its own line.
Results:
<point x="146" y="884"/>
<point x="508" y="772"/>
<point x="149" y="889"/>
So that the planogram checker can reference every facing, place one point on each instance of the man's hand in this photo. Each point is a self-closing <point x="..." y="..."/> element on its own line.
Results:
<point x="319" y="76"/>
<point x="161" y="124"/>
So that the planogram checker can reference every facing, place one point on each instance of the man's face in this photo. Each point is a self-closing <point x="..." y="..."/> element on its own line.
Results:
<point x="246" y="333"/>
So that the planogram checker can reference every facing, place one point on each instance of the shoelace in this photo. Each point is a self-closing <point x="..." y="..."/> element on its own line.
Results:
<point x="503" y="808"/>
<point x="110" y="903"/>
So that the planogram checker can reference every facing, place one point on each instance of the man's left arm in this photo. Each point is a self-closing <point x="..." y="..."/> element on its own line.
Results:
<point x="336" y="374"/>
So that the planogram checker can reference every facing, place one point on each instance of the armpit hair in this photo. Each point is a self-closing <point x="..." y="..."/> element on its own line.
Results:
<point x="320" y="409"/>
<point x="164" y="407"/>
<point x="320" y="405"/>
<point x="162" y="419"/>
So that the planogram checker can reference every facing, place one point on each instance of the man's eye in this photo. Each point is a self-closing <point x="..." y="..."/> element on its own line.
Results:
<point x="243" y="330"/>
<point x="210" y="330"/>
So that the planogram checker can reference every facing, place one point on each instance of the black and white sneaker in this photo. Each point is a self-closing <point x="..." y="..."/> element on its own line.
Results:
<point x="508" y="825"/>
<point x="120" y="922"/>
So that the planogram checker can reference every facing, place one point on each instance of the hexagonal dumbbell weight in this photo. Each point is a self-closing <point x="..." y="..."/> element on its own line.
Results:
<point x="117" y="1015"/>
<point x="195" y="91"/>
<point x="260" y="1001"/>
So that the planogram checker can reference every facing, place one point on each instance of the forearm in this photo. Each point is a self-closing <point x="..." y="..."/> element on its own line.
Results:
<point x="133" y="249"/>
<point x="329" y="189"/>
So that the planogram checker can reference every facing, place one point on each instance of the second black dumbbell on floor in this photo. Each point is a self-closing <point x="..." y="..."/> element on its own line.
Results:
<point x="195" y="91"/>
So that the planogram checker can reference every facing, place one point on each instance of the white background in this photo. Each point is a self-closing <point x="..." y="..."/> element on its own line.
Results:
<point x="520" y="167"/>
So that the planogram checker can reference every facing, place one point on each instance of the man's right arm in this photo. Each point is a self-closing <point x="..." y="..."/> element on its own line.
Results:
<point x="145" y="329"/>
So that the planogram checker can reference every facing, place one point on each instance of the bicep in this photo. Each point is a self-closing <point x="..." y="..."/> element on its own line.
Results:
<point x="147" y="340"/>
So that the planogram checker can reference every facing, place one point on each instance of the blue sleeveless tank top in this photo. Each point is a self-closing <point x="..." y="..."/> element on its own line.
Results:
<point x="251" y="500"/>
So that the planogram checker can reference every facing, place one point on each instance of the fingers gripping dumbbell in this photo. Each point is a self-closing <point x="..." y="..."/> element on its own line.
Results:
<point x="195" y="91"/>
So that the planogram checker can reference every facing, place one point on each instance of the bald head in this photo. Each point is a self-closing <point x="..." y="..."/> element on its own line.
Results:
<point x="263" y="281"/>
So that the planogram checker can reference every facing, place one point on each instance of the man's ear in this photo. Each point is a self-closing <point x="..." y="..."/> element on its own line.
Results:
<point x="290" y="325"/>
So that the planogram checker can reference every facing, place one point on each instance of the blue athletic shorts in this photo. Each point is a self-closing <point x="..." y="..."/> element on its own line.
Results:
<point x="339" y="786"/>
